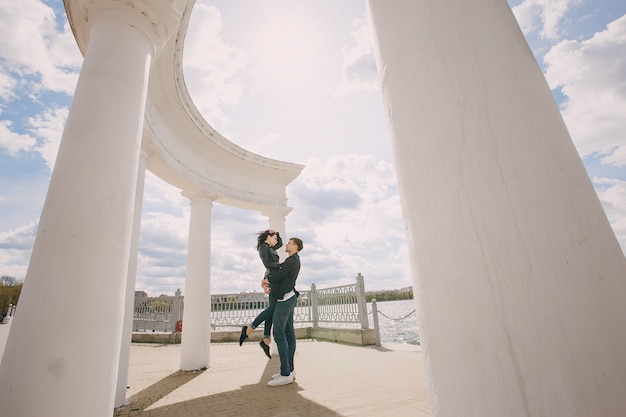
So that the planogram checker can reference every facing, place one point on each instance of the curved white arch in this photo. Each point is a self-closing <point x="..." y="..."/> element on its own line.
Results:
<point x="184" y="150"/>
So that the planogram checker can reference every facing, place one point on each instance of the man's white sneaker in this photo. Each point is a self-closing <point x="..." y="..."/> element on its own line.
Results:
<point x="292" y="374"/>
<point x="280" y="380"/>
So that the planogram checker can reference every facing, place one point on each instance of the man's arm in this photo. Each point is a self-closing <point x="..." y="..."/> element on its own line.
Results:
<point x="286" y="268"/>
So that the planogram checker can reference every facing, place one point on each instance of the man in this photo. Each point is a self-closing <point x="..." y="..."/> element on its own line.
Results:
<point x="283" y="283"/>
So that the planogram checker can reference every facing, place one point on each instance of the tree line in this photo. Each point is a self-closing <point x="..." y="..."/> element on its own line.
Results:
<point x="388" y="295"/>
<point x="10" y="289"/>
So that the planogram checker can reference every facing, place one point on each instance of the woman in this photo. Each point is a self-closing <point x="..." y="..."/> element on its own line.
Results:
<point x="267" y="243"/>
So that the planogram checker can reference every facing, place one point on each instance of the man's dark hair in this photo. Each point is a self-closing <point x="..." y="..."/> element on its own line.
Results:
<point x="298" y="243"/>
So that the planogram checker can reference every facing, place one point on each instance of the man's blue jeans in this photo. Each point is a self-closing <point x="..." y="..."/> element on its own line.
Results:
<point x="285" y="334"/>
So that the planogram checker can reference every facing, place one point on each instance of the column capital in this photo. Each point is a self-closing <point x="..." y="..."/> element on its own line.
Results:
<point x="156" y="19"/>
<point x="276" y="211"/>
<point x="195" y="194"/>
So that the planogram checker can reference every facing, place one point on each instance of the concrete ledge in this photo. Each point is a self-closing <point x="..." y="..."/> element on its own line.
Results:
<point x="156" y="337"/>
<point x="358" y="337"/>
<point x="348" y="336"/>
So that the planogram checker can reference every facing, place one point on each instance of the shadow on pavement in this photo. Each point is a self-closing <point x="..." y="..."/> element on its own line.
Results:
<point x="255" y="400"/>
<point x="144" y="399"/>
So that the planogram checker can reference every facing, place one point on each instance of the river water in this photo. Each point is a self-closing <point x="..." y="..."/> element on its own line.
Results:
<point x="397" y="321"/>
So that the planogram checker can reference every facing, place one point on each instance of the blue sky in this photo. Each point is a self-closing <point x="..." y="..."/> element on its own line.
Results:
<point x="294" y="81"/>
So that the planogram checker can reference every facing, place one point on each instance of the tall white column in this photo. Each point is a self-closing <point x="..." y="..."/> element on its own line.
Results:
<point x="518" y="276"/>
<point x="127" y="331"/>
<point x="62" y="355"/>
<point x="196" y="335"/>
<point x="277" y="217"/>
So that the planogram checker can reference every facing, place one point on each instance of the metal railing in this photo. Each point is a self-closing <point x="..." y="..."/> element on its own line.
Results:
<point x="343" y="304"/>
<point x="153" y="318"/>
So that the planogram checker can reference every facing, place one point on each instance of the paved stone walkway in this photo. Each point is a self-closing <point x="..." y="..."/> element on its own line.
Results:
<point x="332" y="380"/>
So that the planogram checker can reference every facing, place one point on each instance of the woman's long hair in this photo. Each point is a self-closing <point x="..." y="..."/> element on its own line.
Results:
<point x="261" y="238"/>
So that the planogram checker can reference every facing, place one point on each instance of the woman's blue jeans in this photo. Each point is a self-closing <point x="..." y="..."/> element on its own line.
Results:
<point x="265" y="316"/>
<point x="285" y="334"/>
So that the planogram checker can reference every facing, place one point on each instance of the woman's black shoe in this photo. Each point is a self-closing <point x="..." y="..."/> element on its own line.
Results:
<point x="265" y="348"/>
<point x="244" y="335"/>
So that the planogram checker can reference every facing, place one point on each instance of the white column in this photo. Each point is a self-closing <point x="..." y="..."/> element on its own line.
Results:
<point x="277" y="217"/>
<point x="196" y="335"/>
<point x="62" y="355"/>
<point x="127" y="331"/>
<point x="519" y="278"/>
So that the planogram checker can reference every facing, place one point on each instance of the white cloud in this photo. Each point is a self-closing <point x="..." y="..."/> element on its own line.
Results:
<point x="552" y="15"/>
<point x="547" y="15"/>
<point x="7" y="85"/>
<point x="164" y="228"/>
<point x="288" y="44"/>
<point x="346" y="210"/>
<point x="15" y="249"/>
<point x="612" y="194"/>
<point x="163" y="253"/>
<point x="46" y="131"/>
<point x="347" y="207"/>
<point x="36" y="47"/>
<point x="358" y="72"/>
<point x="26" y="23"/>
<point x="211" y="65"/>
<point x="159" y="195"/>
<point x="21" y="237"/>
<point x="591" y="75"/>
<point x="49" y="126"/>
<point x="527" y="14"/>
<point x="616" y="158"/>
<point x="13" y="142"/>
<point x="66" y="60"/>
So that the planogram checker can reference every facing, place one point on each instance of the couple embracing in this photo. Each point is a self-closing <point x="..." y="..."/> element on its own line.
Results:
<point x="279" y="281"/>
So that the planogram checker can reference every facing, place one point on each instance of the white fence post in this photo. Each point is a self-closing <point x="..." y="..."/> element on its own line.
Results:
<point x="314" y="312"/>
<point x="376" y="326"/>
<point x="176" y="311"/>
<point x="361" y="301"/>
